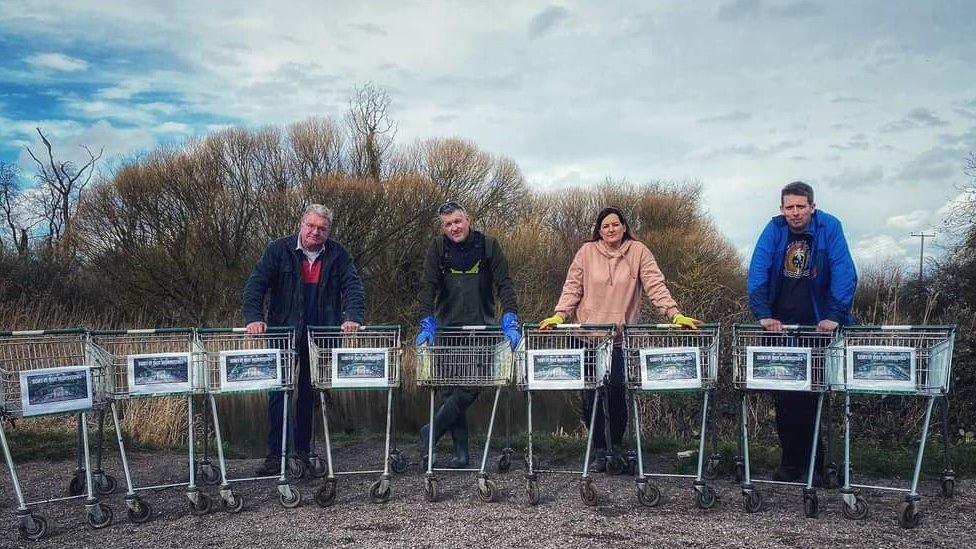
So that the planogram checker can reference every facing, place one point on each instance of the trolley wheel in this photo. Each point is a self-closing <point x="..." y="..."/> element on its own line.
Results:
<point x="235" y="505"/>
<point x="616" y="465"/>
<point x="710" y="472"/>
<point x="430" y="489"/>
<point x="504" y="464"/>
<point x="948" y="487"/>
<point x="77" y="485"/>
<point x="705" y="498"/>
<point x="752" y="501"/>
<point x="832" y="477"/>
<point x="740" y="471"/>
<point x="100" y="516"/>
<point x="140" y="513"/>
<point x="532" y="490"/>
<point x="326" y="494"/>
<point x="36" y="528"/>
<point x="290" y="502"/>
<point x="209" y="475"/>
<point x="202" y="505"/>
<point x="380" y="491"/>
<point x="294" y="468"/>
<point x="908" y="514"/>
<point x="398" y="463"/>
<point x="811" y="505"/>
<point x="631" y="466"/>
<point x="857" y="511"/>
<point x="106" y="485"/>
<point x="588" y="493"/>
<point x="317" y="467"/>
<point x="487" y="490"/>
<point x="648" y="495"/>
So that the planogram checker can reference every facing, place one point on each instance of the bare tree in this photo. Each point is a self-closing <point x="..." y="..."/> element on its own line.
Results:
<point x="371" y="130"/>
<point x="9" y="195"/>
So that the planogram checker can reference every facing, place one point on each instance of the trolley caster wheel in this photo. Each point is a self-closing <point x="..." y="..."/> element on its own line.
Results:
<point x="532" y="491"/>
<point x="326" y="494"/>
<point x="740" y="471"/>
<point x="631" y="466"/>
<point x="100" y="516"/>
<point x="504" y="464"/>
<point x="588" y="493"/>
<point x="710" y="471"/>
<point x="77" y="485"/>
<point x="209" y="475"/>
<point x="487" y="490"/>
<point x="648" y="495"/>
<point x="234" y="503"/>
<point x="857" y="511"/>
<point x="201" y="506"/>
<point x="752" y="501"/>
<point x="398" y="463"/>
<point x="380" y="491"/>
<point x="832" y="477"/>
<point x="811" y="505"/>
<point x="292" y="501"/>
<point x="294" y="468"/>
<point x="316" y="467"/>
<point x="705" y="498"/>
<point x="430" y="489"/>
<point x="616" y="465"/>
<point x="139" y="512"/>
<point x="908" y="515"/>
<point x="948" y="487"/>
<point x="105" y="484"/>
<point x="34" y="529"/>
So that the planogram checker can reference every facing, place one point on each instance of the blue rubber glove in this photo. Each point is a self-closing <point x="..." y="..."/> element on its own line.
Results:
<point x="428" y="327"/>
<point x="510" y="325"/>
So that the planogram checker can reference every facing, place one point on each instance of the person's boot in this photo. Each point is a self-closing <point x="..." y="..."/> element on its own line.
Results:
<point x="442" y="419"/>
<point x="459" y="433"/>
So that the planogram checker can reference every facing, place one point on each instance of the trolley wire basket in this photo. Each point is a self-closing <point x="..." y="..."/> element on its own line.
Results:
<point x="367" y="358"/>
<point x="465" y="356"/>
<point x="237" y="361"/>
<point x="566" y="356"/>
<point x="664" y="357"/>
<point x="148" y="363"/>
<point x="794" y="359"/>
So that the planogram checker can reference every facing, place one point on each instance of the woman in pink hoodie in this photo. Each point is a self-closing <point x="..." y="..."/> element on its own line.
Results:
<point x="604" y="286"/>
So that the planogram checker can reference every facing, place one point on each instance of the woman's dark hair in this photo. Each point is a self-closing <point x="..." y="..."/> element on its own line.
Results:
<point x="604" y="213"/>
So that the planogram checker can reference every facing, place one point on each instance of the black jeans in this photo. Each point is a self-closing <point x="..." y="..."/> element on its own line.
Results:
<point x="301" y="419"/>
<point x="616" y="404"/>
<point x="796" y="414"/>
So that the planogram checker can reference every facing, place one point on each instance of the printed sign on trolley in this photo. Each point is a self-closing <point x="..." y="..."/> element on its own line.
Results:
<point x="555" y="369"/>
<point x="360" y="367"/>
<point x="670" y="368"/>
<point x="250" y="369"/>
<point x="55" y="390"/>
<point x="778" y="368"/>
<point x="881" y="368"/>
<point x="157" y="373"/>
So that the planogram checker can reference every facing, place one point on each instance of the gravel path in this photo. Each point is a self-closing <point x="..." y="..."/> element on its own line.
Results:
<point x="459" y="519"/>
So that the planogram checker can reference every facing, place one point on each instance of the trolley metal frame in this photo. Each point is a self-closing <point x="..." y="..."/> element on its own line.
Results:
<point x="322" y="341"/>
<point x="464" y="356"/>
<point x="213" y="341"/>
<point x="933" y="347"/>
<point x="34" y="350"/>
<point x="112" y="349"/>
<point x="596" y="343"/>
<point x="822" y="345"/>
<point x="641" y="337"/>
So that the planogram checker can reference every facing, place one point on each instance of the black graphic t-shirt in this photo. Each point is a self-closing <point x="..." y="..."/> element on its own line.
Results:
<point x="794" y="304"/>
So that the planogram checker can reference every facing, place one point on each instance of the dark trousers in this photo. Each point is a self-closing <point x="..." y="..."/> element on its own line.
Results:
<point x="796" y="413"/>
<point x="616" y="403"/>
<point x="300" y="421"/>
<point x="454" y="407"/>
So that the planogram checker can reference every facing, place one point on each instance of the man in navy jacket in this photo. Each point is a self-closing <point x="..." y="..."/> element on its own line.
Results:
<point x="801" y="273"/>
<point x="311" y="281"/>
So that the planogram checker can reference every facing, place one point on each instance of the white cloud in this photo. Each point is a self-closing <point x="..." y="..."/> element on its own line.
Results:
<point x="56" y="62"/>
<point x="911" y="220"/>
<point x="877" y="247"/>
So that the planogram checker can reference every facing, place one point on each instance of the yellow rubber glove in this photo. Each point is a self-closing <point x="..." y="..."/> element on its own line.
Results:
<point x="686" y="321"/>
<point x="551" y="321"/>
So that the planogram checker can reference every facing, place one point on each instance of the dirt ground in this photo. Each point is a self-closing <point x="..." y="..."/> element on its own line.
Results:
<point x="460" y="519"/>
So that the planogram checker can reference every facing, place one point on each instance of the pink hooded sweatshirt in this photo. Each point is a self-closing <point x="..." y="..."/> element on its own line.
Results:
<point x="604" y="285"/>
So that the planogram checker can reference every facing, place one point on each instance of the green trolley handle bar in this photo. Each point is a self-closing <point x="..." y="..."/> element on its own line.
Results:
<point x="269" y="329"/>
<point x="137" y="331"/>
<point x="58" y="331"/>
<point x="708" y="326"/>
<point x="362" y="328"/>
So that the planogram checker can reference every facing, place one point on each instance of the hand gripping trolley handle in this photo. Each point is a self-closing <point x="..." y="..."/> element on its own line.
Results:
<point x="791" y="360"/>
<point x="367" y="359"/>
<point x="894" y="360"/>
<point x="238" y="362"/>
<point x="464" y="356"/>
<point x="153" y="363"/>
<point x="46" y="372"/>
<point x="665" y="358"/>
<point x="564" y="357"/>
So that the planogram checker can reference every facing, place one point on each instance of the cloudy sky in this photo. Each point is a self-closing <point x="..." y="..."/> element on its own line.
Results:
<point x="873" y="102"/>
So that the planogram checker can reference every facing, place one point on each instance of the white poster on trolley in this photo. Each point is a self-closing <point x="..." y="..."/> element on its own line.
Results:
<point x="360" y="367"/>
<point x="778" y="368"/>
<point x="670" y="368"/>
<point x="159" y="373"/>
<point x="881" y="368"/>
<point x="250" y="370"/>
<point x="55" y="390"/>
<point x="555" y="369"/>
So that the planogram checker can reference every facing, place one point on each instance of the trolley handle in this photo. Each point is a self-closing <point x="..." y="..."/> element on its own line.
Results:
<point x="472" y="327"/>
<point x="898" y="327"/>
<point x="786" y="327"/>
<point x="56" y="331"/>
<point x="362" y="328"/>
<point x="137" y="331"/>
<point x="707" y="326"/>
<point x="532" y="326"/>
<point x="241" y="330"/>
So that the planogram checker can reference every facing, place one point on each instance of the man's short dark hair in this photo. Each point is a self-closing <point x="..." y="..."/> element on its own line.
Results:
<point x="449" y="207"/>
<point x="797" y="188"/>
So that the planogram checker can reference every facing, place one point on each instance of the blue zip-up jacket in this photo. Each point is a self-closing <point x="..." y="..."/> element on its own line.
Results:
<point x="833" y="277"/>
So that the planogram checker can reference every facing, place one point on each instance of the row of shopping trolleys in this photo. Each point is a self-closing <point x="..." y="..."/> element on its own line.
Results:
<point x="58" y="372"/>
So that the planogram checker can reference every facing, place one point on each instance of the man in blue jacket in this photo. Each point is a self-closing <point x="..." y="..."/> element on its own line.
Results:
<point x="801" y="273"/>
<point x="310" y="280"/>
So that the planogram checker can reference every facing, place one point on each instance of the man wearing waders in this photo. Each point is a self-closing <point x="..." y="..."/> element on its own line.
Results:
<point x="463" y="272"/>
<point x="801" y="273"/>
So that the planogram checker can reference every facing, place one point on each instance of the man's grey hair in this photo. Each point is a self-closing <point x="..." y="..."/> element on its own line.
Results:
<point x="319" y="210"/>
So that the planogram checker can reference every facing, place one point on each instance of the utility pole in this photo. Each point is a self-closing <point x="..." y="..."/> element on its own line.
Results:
<point x="921" y="250"/>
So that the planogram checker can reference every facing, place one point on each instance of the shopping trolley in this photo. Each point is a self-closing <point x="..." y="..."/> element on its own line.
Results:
<point x="464" y="356"/>
<point x="564" y="357"/>
<point x="238" y="362"/>
<point x="367" y="359"/>
<point x="46" y="372"/>
<point x="791" y="360"/>
<point x="153" y="363"/>
<point x="665" y="358"/>
<point x="893" y="360"/>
